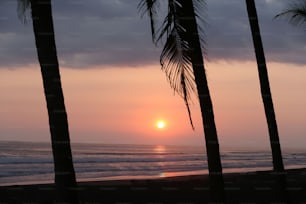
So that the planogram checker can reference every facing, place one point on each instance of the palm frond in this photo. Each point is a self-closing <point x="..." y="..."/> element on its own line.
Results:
<point x="166" y="26"/>
<point x="22" y="9"/>
<point x="150" y="7"/>
<point x="176" y="55"/>
<point x="296" y="13"/>
<point x="175" y="58"/>
<point x="199" y="9"/>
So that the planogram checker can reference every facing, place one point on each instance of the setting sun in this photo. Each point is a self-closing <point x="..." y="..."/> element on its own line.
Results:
<point x="160" y="124"/>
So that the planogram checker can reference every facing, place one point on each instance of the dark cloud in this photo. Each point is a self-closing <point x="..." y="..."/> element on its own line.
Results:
<point x="16" y="40"/>
<point x="229" y="35"/>
<point x="104" y="33"/>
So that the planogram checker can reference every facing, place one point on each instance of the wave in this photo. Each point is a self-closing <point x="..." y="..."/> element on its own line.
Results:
<point x="33" y="162"/>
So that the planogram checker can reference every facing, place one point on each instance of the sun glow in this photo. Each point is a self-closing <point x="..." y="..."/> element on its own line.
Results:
<point x="160" y="124"/>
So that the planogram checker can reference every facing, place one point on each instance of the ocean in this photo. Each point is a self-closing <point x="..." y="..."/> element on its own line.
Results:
<point x="31" y="163"/>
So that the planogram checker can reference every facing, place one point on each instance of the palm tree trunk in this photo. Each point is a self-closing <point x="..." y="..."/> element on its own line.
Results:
<point x="211" y="138"/>
<point x="65" y="179"/>
<point x="278" y="165"/>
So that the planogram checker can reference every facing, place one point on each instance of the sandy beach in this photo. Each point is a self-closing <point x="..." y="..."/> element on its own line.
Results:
<point x="251" y="187"/>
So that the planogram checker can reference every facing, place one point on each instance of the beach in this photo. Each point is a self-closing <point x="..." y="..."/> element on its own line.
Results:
<point x="247" y="187"/>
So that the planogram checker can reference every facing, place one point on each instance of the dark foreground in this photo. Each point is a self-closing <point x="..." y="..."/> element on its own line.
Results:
<point x="252" y="187"/>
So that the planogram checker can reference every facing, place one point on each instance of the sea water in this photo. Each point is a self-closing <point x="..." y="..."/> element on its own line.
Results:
<point x="29" y="163"/>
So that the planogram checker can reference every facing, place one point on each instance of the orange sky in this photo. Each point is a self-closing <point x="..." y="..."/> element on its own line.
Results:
<point x="122" y="105"/>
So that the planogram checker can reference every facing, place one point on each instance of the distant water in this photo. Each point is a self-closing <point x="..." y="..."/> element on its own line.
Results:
<point x="26" y="163"/>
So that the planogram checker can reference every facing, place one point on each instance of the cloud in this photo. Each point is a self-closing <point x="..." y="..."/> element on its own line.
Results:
<point x="111" y="33"/>
<point x="229" y="35"/>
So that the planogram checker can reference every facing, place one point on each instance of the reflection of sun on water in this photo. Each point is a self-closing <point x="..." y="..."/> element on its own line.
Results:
<point x="159" y="149"/>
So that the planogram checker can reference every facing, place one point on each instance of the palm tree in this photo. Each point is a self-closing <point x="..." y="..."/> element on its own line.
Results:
<point x="296" y="12"/>
<point x="182" y="61"/>
<point x="278" y="165"/>
<point x="65" y="179"/>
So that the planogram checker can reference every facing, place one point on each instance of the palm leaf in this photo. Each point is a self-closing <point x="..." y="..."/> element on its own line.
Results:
<point x="22" y="9"/>
<point x="199" y="7"/>
<point x="296" y="13"/>
<point x="176" y="63"/>
<point x="175" y="58"/>
<point x="176" y="55"/>
<point x="150" y="7"/>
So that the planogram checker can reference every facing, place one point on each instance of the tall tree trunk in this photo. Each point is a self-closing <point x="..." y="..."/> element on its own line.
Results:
<point x="278" y="165"/>
<point x="65" y="179"/>
<point x="211" y="138"/>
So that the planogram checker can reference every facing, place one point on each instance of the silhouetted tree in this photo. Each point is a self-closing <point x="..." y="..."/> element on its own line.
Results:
<point x="65" y="179"/>
<point x="182" y="61"/>
<point x="296" y="12"/>
<point x="265" y="88"/>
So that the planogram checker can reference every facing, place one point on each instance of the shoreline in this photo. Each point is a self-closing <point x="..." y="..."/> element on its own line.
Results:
<point x="256" y="187"/>
<point x="136" y="177"/>
<point x="164" y="175"/>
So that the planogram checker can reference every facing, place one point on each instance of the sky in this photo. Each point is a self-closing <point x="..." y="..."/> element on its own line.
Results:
<point x="115" y="91"/>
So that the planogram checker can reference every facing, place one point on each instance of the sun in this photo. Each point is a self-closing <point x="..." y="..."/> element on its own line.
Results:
<point x="160" y="124"/>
